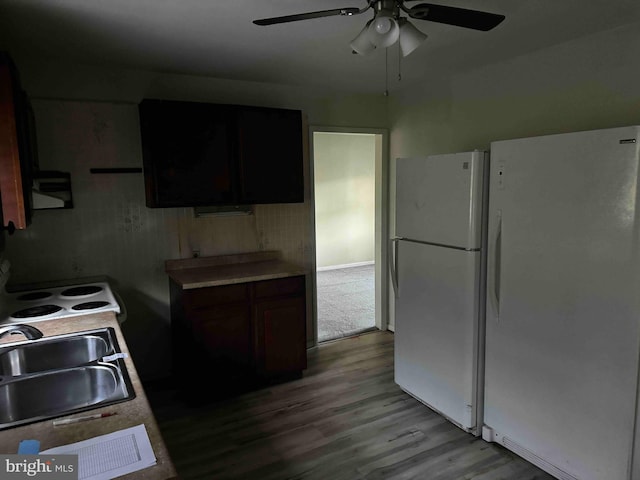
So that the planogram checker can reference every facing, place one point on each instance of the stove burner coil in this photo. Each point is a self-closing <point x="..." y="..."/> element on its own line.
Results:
<point x="31" y="296"/>
<point x="37" y="311"/>
<point x="81" y="291"/>
<point x="89" y="305"/>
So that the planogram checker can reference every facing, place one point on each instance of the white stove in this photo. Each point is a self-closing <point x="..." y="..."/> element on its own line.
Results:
<point x="58" y="302"/>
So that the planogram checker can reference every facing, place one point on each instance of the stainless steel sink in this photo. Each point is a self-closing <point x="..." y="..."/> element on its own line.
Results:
<point x="61" y="375"/>
<point x="53" y="353"/>
<point x="46" y="394"/>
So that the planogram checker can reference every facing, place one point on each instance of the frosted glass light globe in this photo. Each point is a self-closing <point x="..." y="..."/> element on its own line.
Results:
<point x="383" y="25"/>
<point x="384" y="31"/>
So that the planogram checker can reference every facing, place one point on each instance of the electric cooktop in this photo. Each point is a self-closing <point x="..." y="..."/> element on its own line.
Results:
<point x="58" y="302"/>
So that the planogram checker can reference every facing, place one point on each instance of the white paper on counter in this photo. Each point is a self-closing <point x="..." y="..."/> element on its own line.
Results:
<point x="112" y="455"/>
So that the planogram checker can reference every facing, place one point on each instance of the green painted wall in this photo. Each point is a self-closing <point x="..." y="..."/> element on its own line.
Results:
<point x="344" y="185"/>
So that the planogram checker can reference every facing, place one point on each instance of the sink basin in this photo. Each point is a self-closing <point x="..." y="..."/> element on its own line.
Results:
<point x="53" y="353"/>
<point x="40" y="396"/>
<point x="61" y="375"/>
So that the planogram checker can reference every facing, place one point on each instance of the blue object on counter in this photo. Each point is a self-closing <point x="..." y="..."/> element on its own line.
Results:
<point x="29" y="447"/>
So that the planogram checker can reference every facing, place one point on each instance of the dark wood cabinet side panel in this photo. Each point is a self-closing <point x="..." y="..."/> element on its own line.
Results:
<point x="181" y="336"/>
<point x="13" y="144"/>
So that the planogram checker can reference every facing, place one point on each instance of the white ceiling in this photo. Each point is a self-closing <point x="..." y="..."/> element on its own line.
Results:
<point x="217" y="37"/>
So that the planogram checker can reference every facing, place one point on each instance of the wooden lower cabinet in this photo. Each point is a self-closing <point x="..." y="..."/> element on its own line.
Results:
<point x="240" y="334"/>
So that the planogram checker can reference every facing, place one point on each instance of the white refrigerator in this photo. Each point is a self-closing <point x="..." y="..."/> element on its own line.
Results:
<point x="563" y="302"/>
<point x="438" y="276"/>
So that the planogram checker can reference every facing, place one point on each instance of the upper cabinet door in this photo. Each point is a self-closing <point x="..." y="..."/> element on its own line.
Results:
<point x="270" y="154"/>
<point x="187" y="152"/>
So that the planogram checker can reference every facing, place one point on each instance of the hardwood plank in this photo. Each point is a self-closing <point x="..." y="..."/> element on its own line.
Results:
<point x="344" y="419"/>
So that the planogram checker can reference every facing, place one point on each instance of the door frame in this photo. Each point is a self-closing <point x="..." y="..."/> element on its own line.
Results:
<point x="381" y="229"/>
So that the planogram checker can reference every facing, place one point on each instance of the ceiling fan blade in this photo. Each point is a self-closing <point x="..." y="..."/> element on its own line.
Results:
<point x="460" y="17"/>
<point x="307" y="16"/>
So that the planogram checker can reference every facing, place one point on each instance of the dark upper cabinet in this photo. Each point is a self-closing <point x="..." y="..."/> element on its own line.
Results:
<point x="18" y="152"/>
<point x="201" y="154"/>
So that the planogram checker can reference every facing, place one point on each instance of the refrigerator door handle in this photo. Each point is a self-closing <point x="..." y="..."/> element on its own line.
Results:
<point x="497" y="253"/>
<point x="393" y="265"/>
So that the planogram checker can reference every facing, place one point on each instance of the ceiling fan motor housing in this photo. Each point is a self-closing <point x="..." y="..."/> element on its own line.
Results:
<point x="389" y="7"/>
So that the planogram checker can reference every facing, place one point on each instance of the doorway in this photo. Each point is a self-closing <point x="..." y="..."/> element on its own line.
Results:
<point x="349" y="192"/>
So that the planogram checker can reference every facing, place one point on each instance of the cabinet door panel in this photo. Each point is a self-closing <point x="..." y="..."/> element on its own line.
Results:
<point x="224" y="335"/>
<point x="281" y="335"/>
<point x="187" y="152"/>
<point x="271" y="155"/>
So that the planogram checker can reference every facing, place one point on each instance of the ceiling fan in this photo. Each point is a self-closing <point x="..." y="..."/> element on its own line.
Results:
<point x="387" y="26"/>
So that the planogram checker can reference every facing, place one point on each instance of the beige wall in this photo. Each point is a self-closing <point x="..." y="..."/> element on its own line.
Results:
<point x="87" y="117"/>
<point x="588" y="83"/>
<point x="344" y="190"/>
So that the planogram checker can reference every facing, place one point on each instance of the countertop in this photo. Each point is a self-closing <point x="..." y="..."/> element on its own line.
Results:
<point x="128" y="414"/>
<point x="229" y="269"/>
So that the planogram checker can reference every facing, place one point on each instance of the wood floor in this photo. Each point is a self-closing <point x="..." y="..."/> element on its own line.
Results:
<point x="345" y="419"/>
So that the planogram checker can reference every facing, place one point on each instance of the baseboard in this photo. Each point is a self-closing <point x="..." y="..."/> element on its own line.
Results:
<point x="346" y="265"/>
<point x="355" y="333"/>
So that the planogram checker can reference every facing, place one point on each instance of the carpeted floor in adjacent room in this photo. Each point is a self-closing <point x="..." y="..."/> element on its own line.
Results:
<point x="346" y="301"/>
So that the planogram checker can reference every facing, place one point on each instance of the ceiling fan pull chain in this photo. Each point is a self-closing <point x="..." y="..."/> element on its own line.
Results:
<point x="399" y="63"/>
<point x="386" y="72"/>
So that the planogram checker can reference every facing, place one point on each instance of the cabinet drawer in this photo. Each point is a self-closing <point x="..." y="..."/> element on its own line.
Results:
<point x="281" y="286"/>
<point x="203" y="298"/>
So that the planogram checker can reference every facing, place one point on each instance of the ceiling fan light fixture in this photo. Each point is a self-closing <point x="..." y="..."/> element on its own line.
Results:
<point x="362" y="43"/>
<point x="410" y="37"/>
<point x="383" y="30"/>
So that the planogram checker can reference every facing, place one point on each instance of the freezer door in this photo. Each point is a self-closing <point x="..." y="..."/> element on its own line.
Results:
<point x="439" y="198"/>
<point x="437" y="328"/>
<point x="563" y="303"/>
